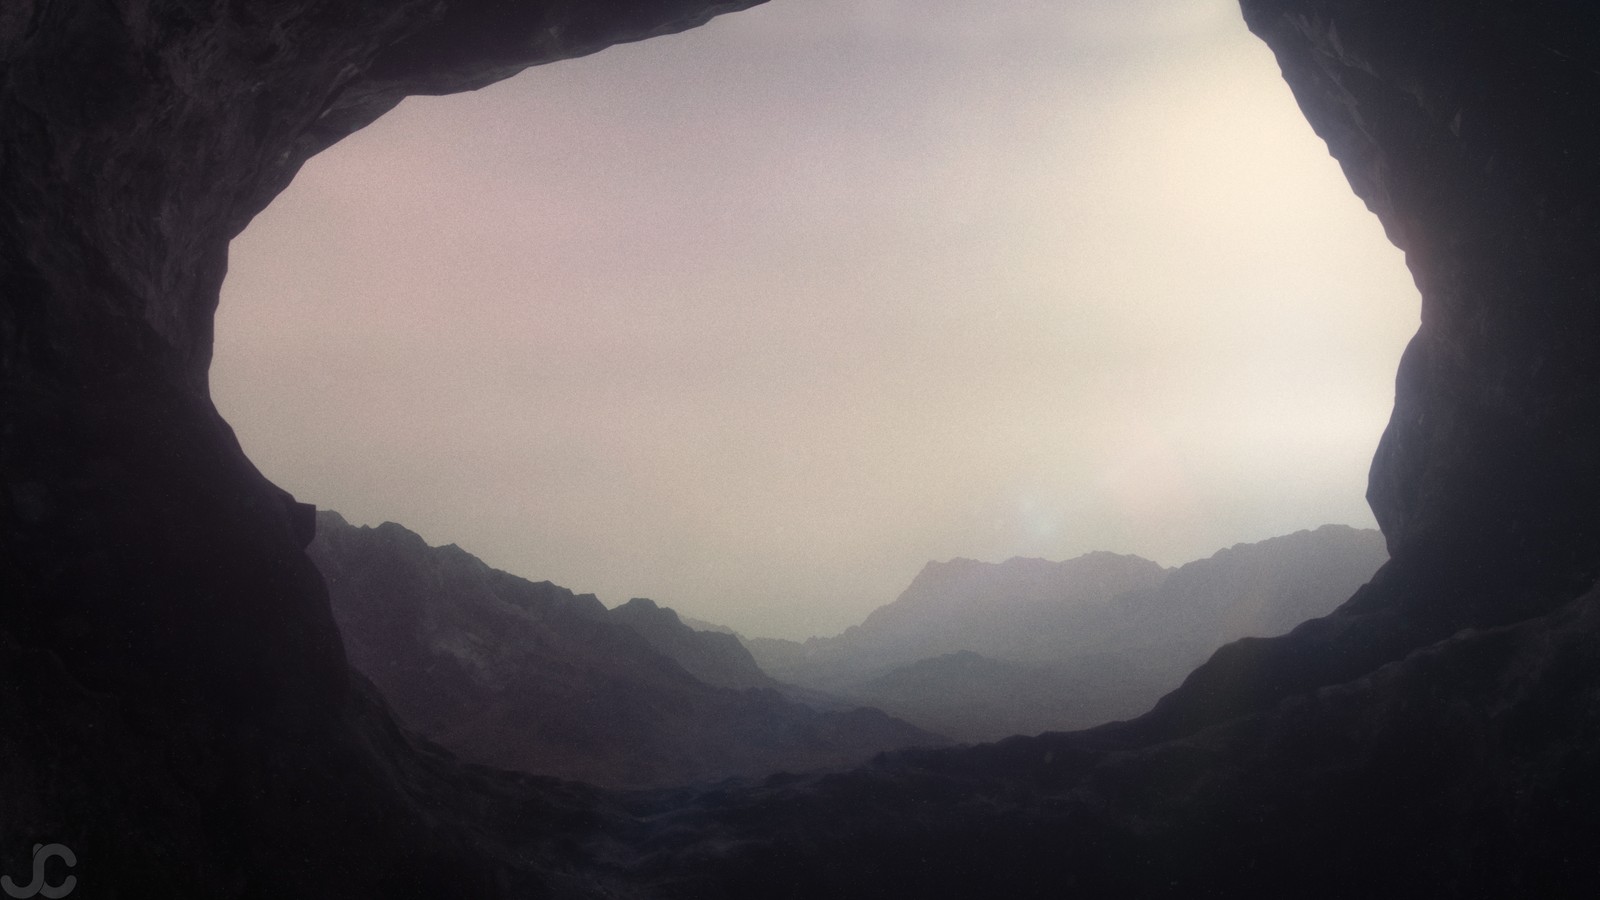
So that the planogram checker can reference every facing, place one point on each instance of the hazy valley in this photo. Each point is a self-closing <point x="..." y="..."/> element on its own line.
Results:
<point x="182" y="718"/>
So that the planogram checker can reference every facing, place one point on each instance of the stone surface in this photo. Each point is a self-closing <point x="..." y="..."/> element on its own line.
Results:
<point x="178" y="707"/>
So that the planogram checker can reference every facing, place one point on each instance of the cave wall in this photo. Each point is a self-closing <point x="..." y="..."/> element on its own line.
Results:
<point x="179" y="702"/>
<point x="1468" y="128"/>
<point x="1463" y="128"/>
<point x="177" y="699"/>
<point x="139" y="138"/>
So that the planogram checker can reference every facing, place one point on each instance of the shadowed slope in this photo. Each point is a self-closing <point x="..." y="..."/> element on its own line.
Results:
<point x="533" y="677"/>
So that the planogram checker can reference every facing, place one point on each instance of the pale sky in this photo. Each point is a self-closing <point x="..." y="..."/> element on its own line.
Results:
<point x="758" y="319"/>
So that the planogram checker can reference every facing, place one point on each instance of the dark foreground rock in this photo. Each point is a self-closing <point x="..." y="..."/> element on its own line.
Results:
<point x="715" y="657"/>
<point x="1464" y="770"/>
<point x="177" y="706"/>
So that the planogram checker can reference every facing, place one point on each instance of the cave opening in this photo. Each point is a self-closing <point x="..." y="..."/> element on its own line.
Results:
<point x="758" y="318"/>
<point x="186" y="714"/>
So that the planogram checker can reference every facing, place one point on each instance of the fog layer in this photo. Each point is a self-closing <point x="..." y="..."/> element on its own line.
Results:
<point x="758" y="319"/>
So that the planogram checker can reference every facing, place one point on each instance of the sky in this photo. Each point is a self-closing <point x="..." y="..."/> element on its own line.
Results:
<point x="758" y="319"/>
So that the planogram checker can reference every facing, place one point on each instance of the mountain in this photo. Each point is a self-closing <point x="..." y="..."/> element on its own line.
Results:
<point x="531" y="676"/>
<point x="986" y="608"/>
<point x="979" y="651"/>
<point x="947" y="602"/>
<point x="716" y="658"/>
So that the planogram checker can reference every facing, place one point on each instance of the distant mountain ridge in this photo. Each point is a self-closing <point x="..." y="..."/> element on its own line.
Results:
<point x="978" y="698"/>
<point x="716" y="658"/>
<point x="703" y="625"/>
<point x="532" y="676"/>
<point x="956" y="606"/>
<point x="948" y="604"/>
<point x="982" y="650"/>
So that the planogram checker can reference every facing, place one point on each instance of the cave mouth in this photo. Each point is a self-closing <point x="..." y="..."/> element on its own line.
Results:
<point x="757" y="315"/>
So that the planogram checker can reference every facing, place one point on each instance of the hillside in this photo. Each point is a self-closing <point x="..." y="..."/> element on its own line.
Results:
<point x="531" y="676"/>
<point x="980" y="651"/>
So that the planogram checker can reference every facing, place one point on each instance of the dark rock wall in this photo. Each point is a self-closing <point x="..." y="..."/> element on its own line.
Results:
<point x="1469" y="129"/>
<point x="188" y="704"/>
<point x="178" y="707"/>
<point x="1463" y="128"/>
<point x="139" y="138"/>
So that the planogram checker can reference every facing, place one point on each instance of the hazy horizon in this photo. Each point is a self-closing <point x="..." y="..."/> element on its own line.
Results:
<point x="759" y="319"/>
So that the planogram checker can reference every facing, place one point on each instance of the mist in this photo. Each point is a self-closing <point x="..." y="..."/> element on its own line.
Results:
<point x="758" y="319"/>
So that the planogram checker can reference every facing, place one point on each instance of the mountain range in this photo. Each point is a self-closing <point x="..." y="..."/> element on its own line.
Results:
<point x="531" y="676"/>
<point x="980" y="651"/>
<point x="534" y="677"/>
<point x="180" y="716"/>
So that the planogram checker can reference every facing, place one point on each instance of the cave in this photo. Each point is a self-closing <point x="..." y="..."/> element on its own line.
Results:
<point x="180" y="713"/>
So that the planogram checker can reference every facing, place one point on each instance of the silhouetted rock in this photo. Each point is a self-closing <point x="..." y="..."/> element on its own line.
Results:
<point x="713" y="657"/>
<point x="194" y="731"/>
<point x="178" y="707"/>
<point x="1417" y="779"/>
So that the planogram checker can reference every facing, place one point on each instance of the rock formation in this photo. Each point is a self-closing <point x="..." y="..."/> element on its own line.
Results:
<point x="178" y="709"/>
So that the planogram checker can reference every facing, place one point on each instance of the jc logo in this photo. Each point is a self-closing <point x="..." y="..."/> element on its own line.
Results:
<point x="41" y="855"/>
